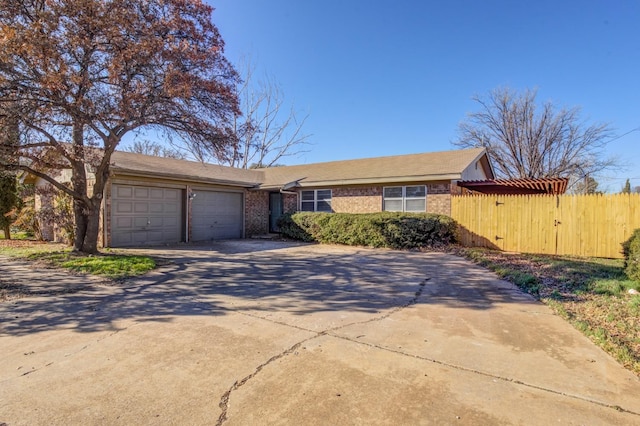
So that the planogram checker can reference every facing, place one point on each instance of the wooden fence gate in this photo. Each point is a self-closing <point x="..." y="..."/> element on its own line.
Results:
<point x="580" y="225"/>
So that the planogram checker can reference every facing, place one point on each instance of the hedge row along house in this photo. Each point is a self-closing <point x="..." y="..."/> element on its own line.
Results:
<point x="155" y="200"/>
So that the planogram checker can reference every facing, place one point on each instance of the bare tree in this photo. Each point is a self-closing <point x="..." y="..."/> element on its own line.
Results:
<point x="78" y="79"/>
<point x="267" y="130"/>
<point x="155" y="149"/>
<point x="585" y="185"/>
<point x="527" y="140"/>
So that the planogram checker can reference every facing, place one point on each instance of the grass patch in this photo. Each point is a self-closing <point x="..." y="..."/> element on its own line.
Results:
<point x="16" y="235"/>
<point x="110" y="265"/>
<point x="25" y="248"/>
<point x="592" y="294"/>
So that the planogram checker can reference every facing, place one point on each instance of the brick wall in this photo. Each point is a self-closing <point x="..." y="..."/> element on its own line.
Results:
<point x="256" y="213"/>
<point x="369" y="199"/>
<point x="357" y="199"/>
<point x="439" y="198"/>
<point x="439" y="203"/>
<point x="439" y="188"/>
<point x="290" y="202"/>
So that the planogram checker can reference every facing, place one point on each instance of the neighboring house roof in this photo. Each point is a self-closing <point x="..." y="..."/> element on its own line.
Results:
<point x="446" y="165"/>
<point x="146" y="165"/>
<point x="555" y="186"/>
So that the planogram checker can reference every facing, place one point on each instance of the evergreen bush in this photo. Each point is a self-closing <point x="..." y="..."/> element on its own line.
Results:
<point x="631" y="251"/>
<point x="385" y="229"/>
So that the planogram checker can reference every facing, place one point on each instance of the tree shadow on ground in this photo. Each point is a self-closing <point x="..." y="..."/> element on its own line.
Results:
<point x="294" y="280"/>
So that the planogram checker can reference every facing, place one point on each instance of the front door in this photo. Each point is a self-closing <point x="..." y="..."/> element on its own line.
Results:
<point x="275" y="210"/>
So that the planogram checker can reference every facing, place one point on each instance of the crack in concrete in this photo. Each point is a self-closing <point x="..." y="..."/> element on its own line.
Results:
<point x="224" y="400"/>
<point x="490" y="375"/>
<point x="392" y="311"/>
<point x="397" y="309"/>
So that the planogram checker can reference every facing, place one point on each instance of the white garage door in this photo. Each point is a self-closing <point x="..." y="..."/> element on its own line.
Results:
<point x="143" y="215"/>
<point x="216" y="215"/>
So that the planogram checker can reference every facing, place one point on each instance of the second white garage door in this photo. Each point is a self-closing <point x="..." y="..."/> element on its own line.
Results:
<point x="216" y="215"/>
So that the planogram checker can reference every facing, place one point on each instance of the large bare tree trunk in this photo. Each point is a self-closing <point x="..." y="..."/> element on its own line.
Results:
<point x="79" y="183"/>
<point x="90" y="242"/>
<point x="7" y="232"/>
<point x="87" y="225"/>
<point x="81" y="225"/>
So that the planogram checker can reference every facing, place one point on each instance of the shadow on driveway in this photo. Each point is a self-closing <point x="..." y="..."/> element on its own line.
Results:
<point x="259" y="277"/>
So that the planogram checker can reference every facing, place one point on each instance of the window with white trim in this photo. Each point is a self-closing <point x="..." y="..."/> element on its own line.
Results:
<point x="316" y="200"/>
<point x="405" y="199"/>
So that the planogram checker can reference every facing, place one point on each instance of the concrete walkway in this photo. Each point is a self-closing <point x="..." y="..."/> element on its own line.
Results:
<point x="262" y="332"/>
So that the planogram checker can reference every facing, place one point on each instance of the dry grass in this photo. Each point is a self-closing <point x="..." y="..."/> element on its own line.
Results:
<point x="111" y="265"/>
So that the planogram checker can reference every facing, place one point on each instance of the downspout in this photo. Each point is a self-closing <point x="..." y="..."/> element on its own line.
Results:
<point x="187" y="212"/>
<point x="186" y="219"/>
<point x="105" y="221"/>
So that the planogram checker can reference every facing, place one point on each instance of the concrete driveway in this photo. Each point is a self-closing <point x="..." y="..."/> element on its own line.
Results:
<point x="261" y="332"/>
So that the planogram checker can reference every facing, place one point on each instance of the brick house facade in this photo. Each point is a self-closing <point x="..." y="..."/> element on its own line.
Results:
<point x="368" y="199"/>
<point x="191" y="201"/>
<point x="256" y="214"/>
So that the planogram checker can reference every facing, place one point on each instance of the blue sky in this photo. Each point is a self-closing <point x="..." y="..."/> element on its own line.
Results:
<point x="384" y="78"/>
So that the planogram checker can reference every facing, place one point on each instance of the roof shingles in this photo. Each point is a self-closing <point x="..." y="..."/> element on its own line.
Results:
<point x="399" y="168"/>
<point x="127" y="162"/>
<point x="432" y="165"/>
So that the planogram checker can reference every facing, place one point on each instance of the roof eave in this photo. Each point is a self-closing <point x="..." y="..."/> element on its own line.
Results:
<point x="128" y="172"/>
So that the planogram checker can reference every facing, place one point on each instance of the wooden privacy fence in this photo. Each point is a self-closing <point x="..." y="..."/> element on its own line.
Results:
<point x="580" y="225"/>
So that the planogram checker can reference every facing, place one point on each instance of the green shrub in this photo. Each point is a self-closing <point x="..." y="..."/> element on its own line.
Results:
<point x="387" y="229"/>
<point x="631" y="251"/>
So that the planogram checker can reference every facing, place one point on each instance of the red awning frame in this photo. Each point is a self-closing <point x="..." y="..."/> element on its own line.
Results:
<point x="555" y="186"/>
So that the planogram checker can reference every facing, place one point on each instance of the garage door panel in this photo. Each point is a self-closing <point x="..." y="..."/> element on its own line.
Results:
<point x="170" y="222"/>
<point x="155" y="208"/>
<point x="140" y="222"/>
<point x="157" y="222"/>
<point x="172" y="194"/>
<point x="145" y="215"/>
<point x="140" y="192"/>
<point x="123" y="207"/>
<point x="155" y="236"/>
<point x="141" y="238"/>
<point x="171" y="208"/>
<point x="124" y="222"/>
<point x="120" y="239"/>
<point x="141" y="207"/>
<point x="217" y="215"/>
<point x="158" y="194"/>
<point x="124" y="192"/>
